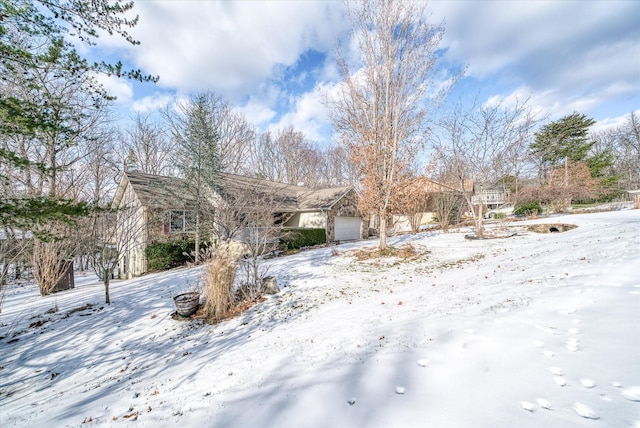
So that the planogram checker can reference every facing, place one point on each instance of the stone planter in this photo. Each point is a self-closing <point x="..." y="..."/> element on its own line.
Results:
<point x="187" y="303"/>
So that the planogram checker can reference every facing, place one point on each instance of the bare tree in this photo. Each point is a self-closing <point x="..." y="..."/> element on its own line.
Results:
<point x="478" y="144"/>
<point x="381" y="112"/>
<point x="15" y="248"/>
<point x="630" y="148"/>
<point x="114" y="232"/>
<point x="145" y="147"/>
<point x="623" y="142"/>
<point x="563" y="185"/>
<point x="287" y="157"/>
<point x="236" y="137"/>
<point x="447" y="206"/>
<point x="52" y="257"/>
<point x="75" y="118"/>
<point x="336" y="169"/>
<point x="252" y="213"/>
<point x="412" y="202"/>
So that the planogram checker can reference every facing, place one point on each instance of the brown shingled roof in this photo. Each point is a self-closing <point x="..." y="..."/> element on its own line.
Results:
<point x="171" y="192"/>
<point x="159" y="191"/>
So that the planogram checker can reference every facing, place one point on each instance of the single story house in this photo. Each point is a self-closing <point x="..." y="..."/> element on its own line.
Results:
<point x="153" y="207"/>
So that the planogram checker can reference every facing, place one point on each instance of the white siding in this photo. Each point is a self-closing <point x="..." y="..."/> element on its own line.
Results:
<point x="402" y="223"/>
<point x="309" y="220"/>
<point x="131" y="235"/>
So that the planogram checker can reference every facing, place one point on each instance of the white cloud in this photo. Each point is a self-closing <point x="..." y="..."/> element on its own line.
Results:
<point x="612" y="122"/>
<point x="258" y="112"/>
<point x="309" y="114"/>
<point x="229" y="47"/>
<point x="571" y="56"/>
<point x="120" y="88"/>
<point x="542" y="34"/>
<point x="151" y="103"/>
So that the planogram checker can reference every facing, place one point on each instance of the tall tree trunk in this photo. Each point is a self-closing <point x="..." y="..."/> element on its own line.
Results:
<point x="382" y="230"/>
<point x="107" y="278"/>
<point x="197" y="237"/>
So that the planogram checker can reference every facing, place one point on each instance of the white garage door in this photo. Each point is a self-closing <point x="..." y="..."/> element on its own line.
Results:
<point x="347" y="228"/>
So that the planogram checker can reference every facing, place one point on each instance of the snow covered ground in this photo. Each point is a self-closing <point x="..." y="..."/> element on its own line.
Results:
<point x="528" y="331"/>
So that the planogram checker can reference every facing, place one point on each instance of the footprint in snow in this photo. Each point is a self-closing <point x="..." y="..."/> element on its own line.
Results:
<point x="550" y="329"/>
<point x="587" y="383"/>
<point x="585" y="411"/>
<point x="576" y="321"/>
<point x="544" y="403"/>
<point x="549" y="354"/>
<point x="574" y="331"/>
<point x="529" y="407"/>
<point x="538" y="344"/>
<point x="616" y="384"/>
<point x="632" y="393"/>
<point x="470" y="331"/>
<point x="351" y="401"/>
<point x="573" y="345"/>
<point x="556" y="371"/>
<point x="423" y="362"/>
<point x="400" y="390"/>
<point x="560" y="381"/>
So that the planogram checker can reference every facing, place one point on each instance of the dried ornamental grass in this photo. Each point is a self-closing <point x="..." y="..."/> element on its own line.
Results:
<point x="219" y="277"/>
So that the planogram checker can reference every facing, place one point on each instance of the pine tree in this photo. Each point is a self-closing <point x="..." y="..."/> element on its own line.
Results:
<point x="36" y="38"/>
<point x="198" y="156"/>
<point x="565" y="140"/>
<point x="561" y="145"/>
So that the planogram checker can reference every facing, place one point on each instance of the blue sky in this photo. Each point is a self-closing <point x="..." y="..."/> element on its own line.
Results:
<point x="275" y="60"/>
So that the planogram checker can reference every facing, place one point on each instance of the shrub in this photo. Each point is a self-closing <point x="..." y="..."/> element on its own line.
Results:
<point x="167" y="255"/>
<point x="298" y="238"/>
<point x="527" y="208"/>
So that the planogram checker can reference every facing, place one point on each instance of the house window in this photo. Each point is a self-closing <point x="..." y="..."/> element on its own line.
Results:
<point x="181" y="221"/>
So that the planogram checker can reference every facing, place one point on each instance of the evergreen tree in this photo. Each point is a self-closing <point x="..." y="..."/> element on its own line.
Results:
<point x="198" y="156"/>
<point x="565" y="140"/>
<point x="36" y="39"/>
<point x="566" y="143"/>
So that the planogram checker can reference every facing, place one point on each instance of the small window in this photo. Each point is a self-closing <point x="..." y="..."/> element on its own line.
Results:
<point x="181" y="221"/>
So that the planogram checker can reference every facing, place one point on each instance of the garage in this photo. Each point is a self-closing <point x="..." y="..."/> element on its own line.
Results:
<point x="347" y="228"/>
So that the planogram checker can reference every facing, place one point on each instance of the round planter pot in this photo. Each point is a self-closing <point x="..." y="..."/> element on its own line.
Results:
<point x="187" y="303"/>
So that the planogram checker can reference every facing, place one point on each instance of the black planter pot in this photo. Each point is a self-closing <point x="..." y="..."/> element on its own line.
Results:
<point x="187" y="303"/>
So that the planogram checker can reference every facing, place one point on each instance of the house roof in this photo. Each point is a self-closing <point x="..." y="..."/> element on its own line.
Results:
<point x="172" y="192"/>
<point x="322" y="198"/>
<point x="156" y="191"/>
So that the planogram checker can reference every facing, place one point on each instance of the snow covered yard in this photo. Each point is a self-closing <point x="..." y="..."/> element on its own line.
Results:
<point x="528" y="331"/>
